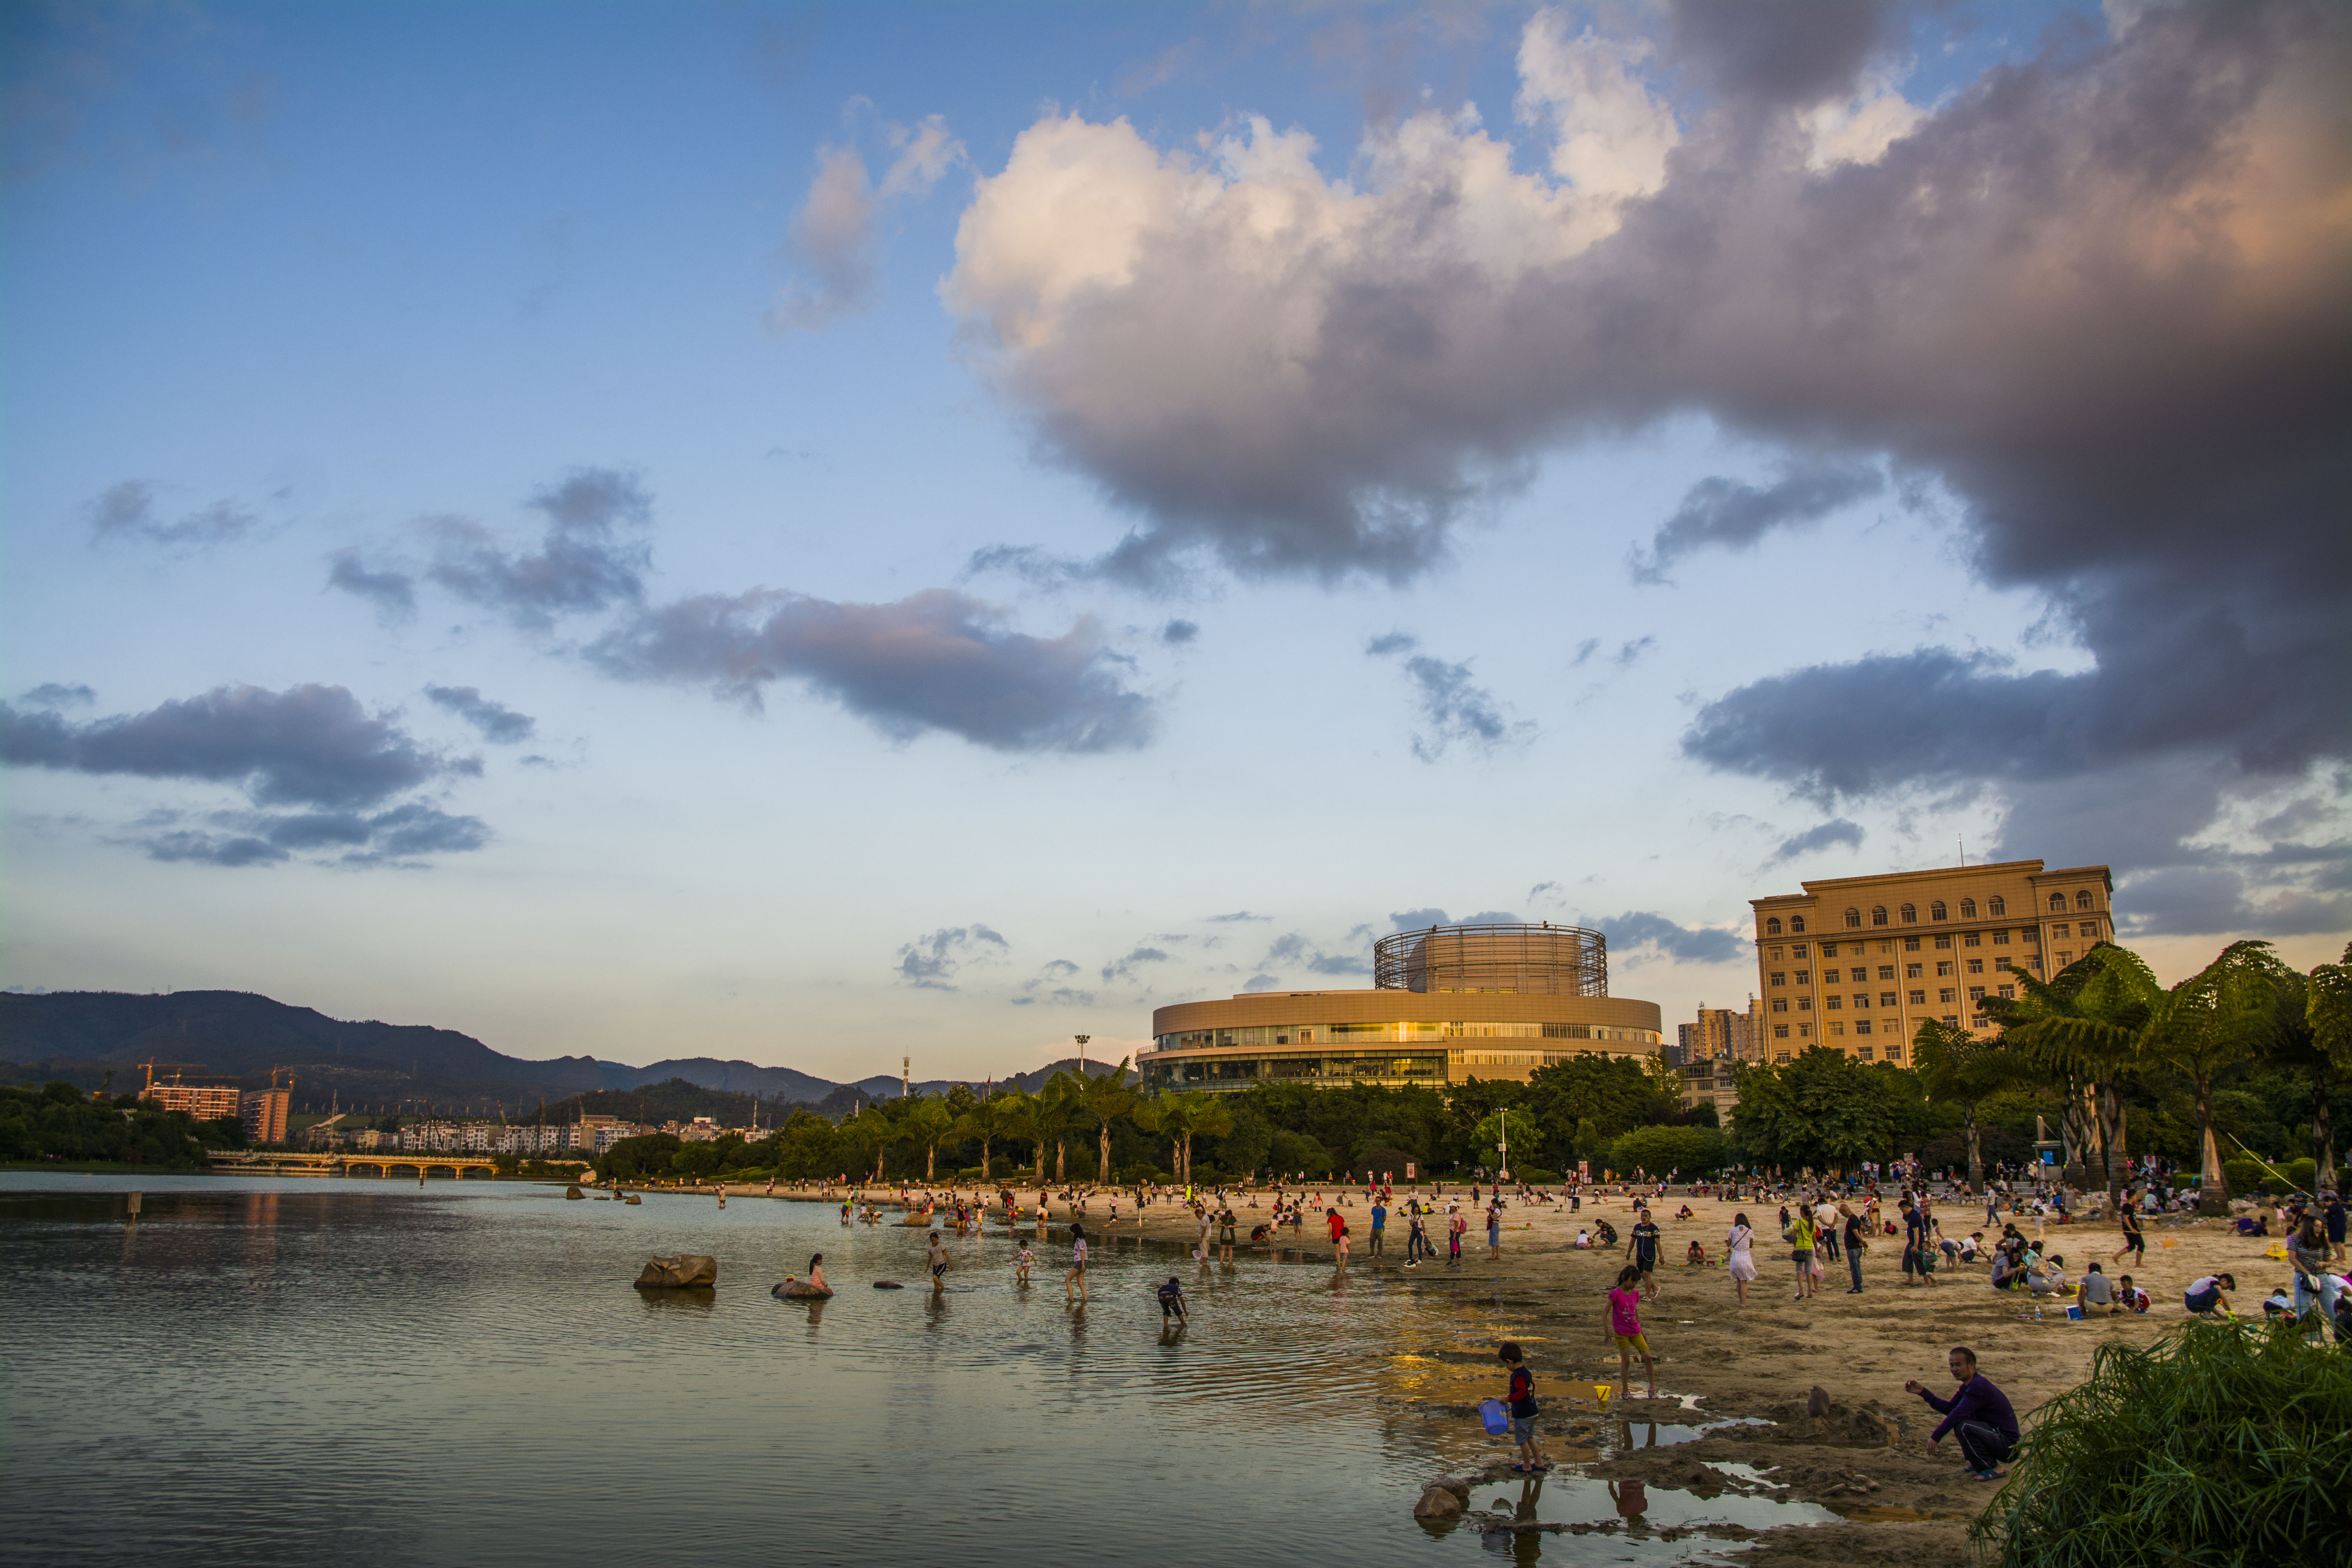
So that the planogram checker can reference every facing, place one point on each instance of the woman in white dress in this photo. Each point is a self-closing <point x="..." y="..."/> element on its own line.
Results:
<point x="1741" y="1262"/>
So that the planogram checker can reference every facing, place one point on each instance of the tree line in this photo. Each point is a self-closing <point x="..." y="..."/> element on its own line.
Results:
<point x="62" y="1123"/>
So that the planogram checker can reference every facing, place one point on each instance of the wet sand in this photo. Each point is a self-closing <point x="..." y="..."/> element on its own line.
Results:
<point x="1867" y="1458"/>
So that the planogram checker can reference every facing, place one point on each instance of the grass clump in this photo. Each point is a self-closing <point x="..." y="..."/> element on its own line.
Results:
<point x="2225" y="1445"/>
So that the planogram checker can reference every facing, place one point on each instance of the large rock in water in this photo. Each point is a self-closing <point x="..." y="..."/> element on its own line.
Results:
<point x="801" y="1290"/>
<point x="574" y="1191"/>
<point x="676" y="1273"/>
<point x="1438" y="1502"/>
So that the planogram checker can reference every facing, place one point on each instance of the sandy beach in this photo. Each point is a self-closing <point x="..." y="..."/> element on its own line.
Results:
<point x="1867" y="1458"/>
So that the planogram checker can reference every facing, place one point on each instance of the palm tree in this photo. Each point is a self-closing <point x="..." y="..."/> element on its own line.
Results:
<point x="1052" y="1111"/>
<point x="2313" y="1030"/>
<point x="1956" y="1066"/>
<point x="1104" y="1098"/>
<point x="2218" y="1016"/>
<point x="996" y="1117"/>
<point x="2086" y="1027"/>
<point x="1182" y="1115"/>
<point x="928" y="1123"/>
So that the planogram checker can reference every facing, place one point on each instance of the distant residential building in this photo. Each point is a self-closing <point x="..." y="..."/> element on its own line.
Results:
<point x="431" y="1138"/>
<point x="201" y="1101"/>
<point x="612" y="1134"/>
<point x="371" y="1138"/>
<point x="1709" y="1045"/>
<point x="263" y="1114"/>
<point x="1859" y="962"/>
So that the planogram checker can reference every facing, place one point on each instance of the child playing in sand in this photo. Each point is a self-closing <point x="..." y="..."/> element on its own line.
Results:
<point x="1626" y="1328"/>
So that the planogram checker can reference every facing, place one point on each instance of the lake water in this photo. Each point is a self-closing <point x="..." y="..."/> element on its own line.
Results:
<point x="354" y="1371"/>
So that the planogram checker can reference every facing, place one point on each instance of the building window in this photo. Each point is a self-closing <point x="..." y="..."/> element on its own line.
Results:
<point x="2082" y="899"/>
<point x="1947" y="995"/>
<point x="1996" y="907"/>
<point x="1781" y="1060"/>
<point x="1773" y="952"/>
<point x="1779" y="1004"/>
<point x="1804" y="1031"/>
<point x="2062" y="929"/>
<point x="2058" y="902"/>
<point x="1862" y="1055"/>
<point x="1862" y="1026"/>
<point x="1973" y="939"/>
<point x="2000" y="939"/>
<point x="1796" y="922"/>
<point x="1860" y="999"/>
<point x="1976" y="993"/>
<point x="1796" y="949"/>
<point x="1936" y="911"/>
<point x="1914" y="971"/>
<point x="1945" y="942"/>
<point x="1976" y="966"/>
<point x="2008" y="992"/>
<point x="1893" y="1050"/>
<point x="1837" y="1028"/>
<point x="1968" y="909"/>
<point x="2064" y="958"/>
<point x="1772" y="926"/>
<point x="1779" y="977"/>
<point x="1804" y="977"/>
<point x="1780" y="1032"/>
<point x="1886" y="998"/>
<point x="1878" y="914"/>
<point x="1804" y="1004"/>
<point x="1910" y="913"/>
<point x="1834" y="1001"/>
<point x="1853" y="919"/>
<point x="1918" y="998"/>
<point x="1886" y="972"/>
<point x="1944" y="967"/>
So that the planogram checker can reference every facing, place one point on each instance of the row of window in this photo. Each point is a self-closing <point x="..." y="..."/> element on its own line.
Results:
<point x="1917" y="998"/>
<point x="1860" y="972"/>
<point x="1996" y="908"/>
<point x="1944" y="944"/>
<point x="1407" y="1033"/>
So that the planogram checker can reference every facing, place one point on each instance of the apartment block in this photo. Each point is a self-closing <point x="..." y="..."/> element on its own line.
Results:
<point x="201" y="1101"/>
<point x="1859" y="962"/>
<point x="263" y="1112"/>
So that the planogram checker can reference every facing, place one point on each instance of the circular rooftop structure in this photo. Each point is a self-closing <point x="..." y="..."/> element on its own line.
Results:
<point x="1509" y="960"/>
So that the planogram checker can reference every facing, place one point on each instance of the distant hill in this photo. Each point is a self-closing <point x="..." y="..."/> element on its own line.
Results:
<point x="81" y="1036"/>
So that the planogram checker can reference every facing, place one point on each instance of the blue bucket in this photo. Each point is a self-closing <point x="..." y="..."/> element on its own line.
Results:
<point x="1492" y="1413"/>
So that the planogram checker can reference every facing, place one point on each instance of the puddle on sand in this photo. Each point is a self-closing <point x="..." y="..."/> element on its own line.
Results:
<point x="1662" y="1524"/>
<point x="1632" y="1435"/>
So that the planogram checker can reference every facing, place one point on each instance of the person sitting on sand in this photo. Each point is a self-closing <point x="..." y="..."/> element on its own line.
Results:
<point x="1695" y="1255"/>
<point x="2047" y="1278"/>
<point x="1583" y="1239"/>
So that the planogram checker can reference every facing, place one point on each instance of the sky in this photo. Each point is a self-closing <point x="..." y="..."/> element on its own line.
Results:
<point x="816" y="535"/>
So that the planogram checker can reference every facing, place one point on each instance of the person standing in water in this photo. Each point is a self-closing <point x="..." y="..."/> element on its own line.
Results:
<point x="1626" y="1328"/>
<point x="1076" y="1280"/>
<point x="938" y="1261"/>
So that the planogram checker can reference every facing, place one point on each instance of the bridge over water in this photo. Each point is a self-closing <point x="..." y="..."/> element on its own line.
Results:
<point x="338" y="1162"/>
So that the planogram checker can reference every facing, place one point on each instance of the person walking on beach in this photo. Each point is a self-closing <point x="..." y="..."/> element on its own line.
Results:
<point x="1380" y="1225"/>
<point x="1624" y="1319"/>
<point x="937" y="1255"/>
<point x="1076" y="1280"/>
<point x="1455" y="1226"/>
<point x="1800" y="1234"/>
<point x="1495" y="1232"/>
<point x="2135" y="1235"/>
<point x="1641" y="1246"/>
<point x="1740" y="1259"/>
<point x="1519" y="1400"/>
<point x="1856" y="1230"/>
<point x="1977" y="1414"/>
<point x="1416" y="1237"/>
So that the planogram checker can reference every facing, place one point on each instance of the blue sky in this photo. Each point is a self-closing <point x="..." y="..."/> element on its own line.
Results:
<point x="813" y="536"/>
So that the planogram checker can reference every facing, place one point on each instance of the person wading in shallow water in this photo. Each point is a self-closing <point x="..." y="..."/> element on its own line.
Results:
<point x="1073" y="1283"/>
<point x="938" y="1259"/>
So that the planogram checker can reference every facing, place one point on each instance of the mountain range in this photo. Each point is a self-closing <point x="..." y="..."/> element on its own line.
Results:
<point x="83" y="1037"/>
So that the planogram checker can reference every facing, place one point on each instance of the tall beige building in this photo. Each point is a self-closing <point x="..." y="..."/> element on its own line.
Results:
<point x="1708" y="1047"/>
<point x="1858" y="963"/>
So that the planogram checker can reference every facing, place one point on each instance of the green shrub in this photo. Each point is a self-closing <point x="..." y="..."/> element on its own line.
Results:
<point x="1535" y="1175"/>
<point x="2223" y="1444"/>
<point x="1694" y="1150"/>
<point x="2244" y="1176"/>
<point x="2303" y="1175"/>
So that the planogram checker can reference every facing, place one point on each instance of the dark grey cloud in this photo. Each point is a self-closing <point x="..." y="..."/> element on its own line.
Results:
<point x="929" y="962"/>
<point x="589" y="559"/>
<point x="1124" y="968"/>
<point x="1543" y="890"/>
<point x="1049" y="987"/>
<point x="935" y="660"/>
<point x="1585" y="650"/>
<point x="1724" y="513"/>
<point x="403" y="836"/>
<point x="1417" y="919"/>
<point x="1631" y="651"/>
<point x="310" y="745"/>
<point x="1692" y="944"/>
<point x="1296" y="951"/>
<point x="2096" y="295"/>
<point x="1178" y="633"/>
<point x="1238" y="915"/>
<point x="1837" y="831"/>
<point x="52" y="694"/>
<point x="2218" y="901"/>
<point x="128" y="510"/>
<point x="499" y="724"/>
<point x="1781" y="54"/>
<point x="394" y="594"/>
<point x="1456" y="710"/>
<point x="1391" y="642"/>
<point x="1262" y="982"/>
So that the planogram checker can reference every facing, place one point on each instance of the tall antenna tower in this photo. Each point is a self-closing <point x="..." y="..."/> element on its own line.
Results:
<point x="906" y="1075"/>
<point x="1082" y="1040"/>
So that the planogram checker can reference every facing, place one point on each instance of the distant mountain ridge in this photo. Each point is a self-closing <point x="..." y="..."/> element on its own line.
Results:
<point x="80" y="1035"/>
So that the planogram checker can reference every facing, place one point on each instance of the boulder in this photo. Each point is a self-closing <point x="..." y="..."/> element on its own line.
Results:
<point x="1438" y="1501"/>
<point x="633" y="1198"/>
<point x="801" y="1290"/>
<point x="888" y="1285"/>
<point x="574" y="1191"/>
<point x="1817" y="1403"/>
<point x="680" y="1272"/>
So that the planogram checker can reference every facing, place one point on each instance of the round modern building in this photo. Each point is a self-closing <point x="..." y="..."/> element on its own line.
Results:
<point x="1448" y="1004"/>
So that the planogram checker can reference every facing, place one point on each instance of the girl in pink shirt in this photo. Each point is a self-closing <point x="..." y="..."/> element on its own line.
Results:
<point x="1626" y="1328"/>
